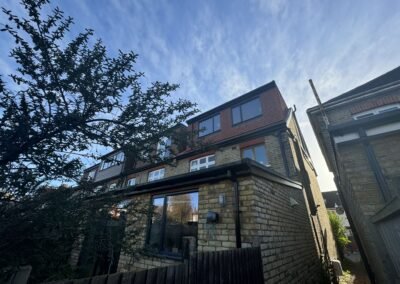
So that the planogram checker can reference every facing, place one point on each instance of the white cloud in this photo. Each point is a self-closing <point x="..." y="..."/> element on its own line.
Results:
<point x="218" y="50"/>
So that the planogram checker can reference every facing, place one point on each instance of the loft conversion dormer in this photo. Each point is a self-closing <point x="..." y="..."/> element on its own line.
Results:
<point x="252" y="111"/>
<point x="112" y="160"/>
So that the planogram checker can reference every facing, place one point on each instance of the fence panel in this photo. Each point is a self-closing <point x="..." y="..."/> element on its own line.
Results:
<point x="242" y="266"/>
<point x="221" y="267"/>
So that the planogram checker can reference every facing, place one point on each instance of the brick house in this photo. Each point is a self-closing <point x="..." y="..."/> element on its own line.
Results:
<point x="360" y="140"/>
<point x="255" y="185"/>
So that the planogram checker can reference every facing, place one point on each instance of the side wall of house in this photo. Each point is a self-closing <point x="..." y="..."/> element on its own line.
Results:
<point x="363" y="195"/>
<point x="358" y="184"/>
<point x="282" y="231"/>
<point x="321" y="220"/>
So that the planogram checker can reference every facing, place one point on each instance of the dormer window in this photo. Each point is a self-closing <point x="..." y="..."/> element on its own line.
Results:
<point x="209" y="125"/>
<point x="376" y="111"/>
<point x="246" y="111"/>
<point x="163" y="148"/>
<point x="91" y="175"/>
<point x="113" y="160"/>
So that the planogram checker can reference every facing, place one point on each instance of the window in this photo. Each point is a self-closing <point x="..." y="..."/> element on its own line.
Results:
<point x="257" y="153"/>
<point x="157" y="174"/>
<point x="91" y="175"/>
<point x="202" y="163"/>
<point x="246" y="111"/>
<point x="113" y="160"/>
<point x="132" y="182"/>
<point x="209" y="125"/>
<point x="112" y="186"/>
<point x="376" y="111"/>
<point x="163" y="148"/>
<point x="174" y="217"/>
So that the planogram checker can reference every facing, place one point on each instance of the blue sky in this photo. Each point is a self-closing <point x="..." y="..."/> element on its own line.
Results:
<point x="217" y="50"/>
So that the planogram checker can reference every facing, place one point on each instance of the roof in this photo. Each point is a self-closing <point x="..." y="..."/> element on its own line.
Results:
<point x="331" y="198"/>
<point x="235" y="101"/>
<point x="387" y="78"/>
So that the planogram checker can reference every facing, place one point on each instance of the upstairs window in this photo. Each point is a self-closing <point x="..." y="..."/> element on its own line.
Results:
<point x="156" y="175"/>
<point x="209" y="125"/>
<point x="91" y="175"/>
<point x="246" y="111"/>
<point x="174" y="218"/>
<point x="132" y="182"/>
<point x="202" y="163"/>
<point x="376" y="111"/>
<point x="113" y="160"/>
<point x="163" y="148"/>
<point x="257" y="153"/>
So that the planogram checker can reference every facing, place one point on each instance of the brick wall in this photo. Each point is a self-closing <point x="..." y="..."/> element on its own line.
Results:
<point x="387" y="151"/>
<point x="284" y="233"/>
<point x="223" y="155"/>
<point x="357" y="180"/>
<point x="321" y="220"/>
<point x="345" y="112"/>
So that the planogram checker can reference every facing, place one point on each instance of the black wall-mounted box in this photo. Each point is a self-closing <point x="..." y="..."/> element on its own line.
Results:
<point x="212" y="217"/>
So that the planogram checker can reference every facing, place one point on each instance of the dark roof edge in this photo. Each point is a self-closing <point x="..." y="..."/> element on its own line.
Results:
<point x="234" y="101"/>
<point x="240" y="168"/>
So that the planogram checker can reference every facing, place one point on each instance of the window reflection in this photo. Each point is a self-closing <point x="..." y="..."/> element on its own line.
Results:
<point x="156" y="222"/>
<point x="180" y="221"/>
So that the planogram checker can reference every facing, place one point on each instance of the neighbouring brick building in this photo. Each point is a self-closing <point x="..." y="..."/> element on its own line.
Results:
<point x="360" y="139"/>
<point x="254" y="185"/>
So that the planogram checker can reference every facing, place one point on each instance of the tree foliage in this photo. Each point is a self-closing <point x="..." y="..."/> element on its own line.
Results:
<point x="70" y="96"/>
<point x="64" y="97"/>
<point x="339" y="231"/>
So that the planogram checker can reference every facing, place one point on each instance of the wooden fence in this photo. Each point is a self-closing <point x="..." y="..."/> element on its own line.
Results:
<point x="231" y="266"/>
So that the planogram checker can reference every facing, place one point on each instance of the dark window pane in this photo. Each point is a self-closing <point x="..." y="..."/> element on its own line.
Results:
<point x="217" y="123"/>
<point x="181" y="221"/>
<point x="248" y="153"/>
<point x="251" y="109"/>
<point x="156" y="223"/>
<point x="261" y="154"/>
<point x="236" y="115"/>
<point x="206" y="127"/>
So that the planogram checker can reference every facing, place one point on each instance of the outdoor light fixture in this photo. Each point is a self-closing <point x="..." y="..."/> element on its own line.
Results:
<point x="293" y="202"/>
<point x="221" y="199"/>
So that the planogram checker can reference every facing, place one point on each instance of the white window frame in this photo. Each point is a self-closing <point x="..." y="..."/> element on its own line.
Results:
<point x="195" y="164"/>
<point x="163" y="147"/>
<point x="112" y="186"/>
<point x="375" y="111"/>
<point x="113" y="160"/>
<point x="91" y="175"/>
<point x="156" y="174"/>
<point x="131" y="181"/>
